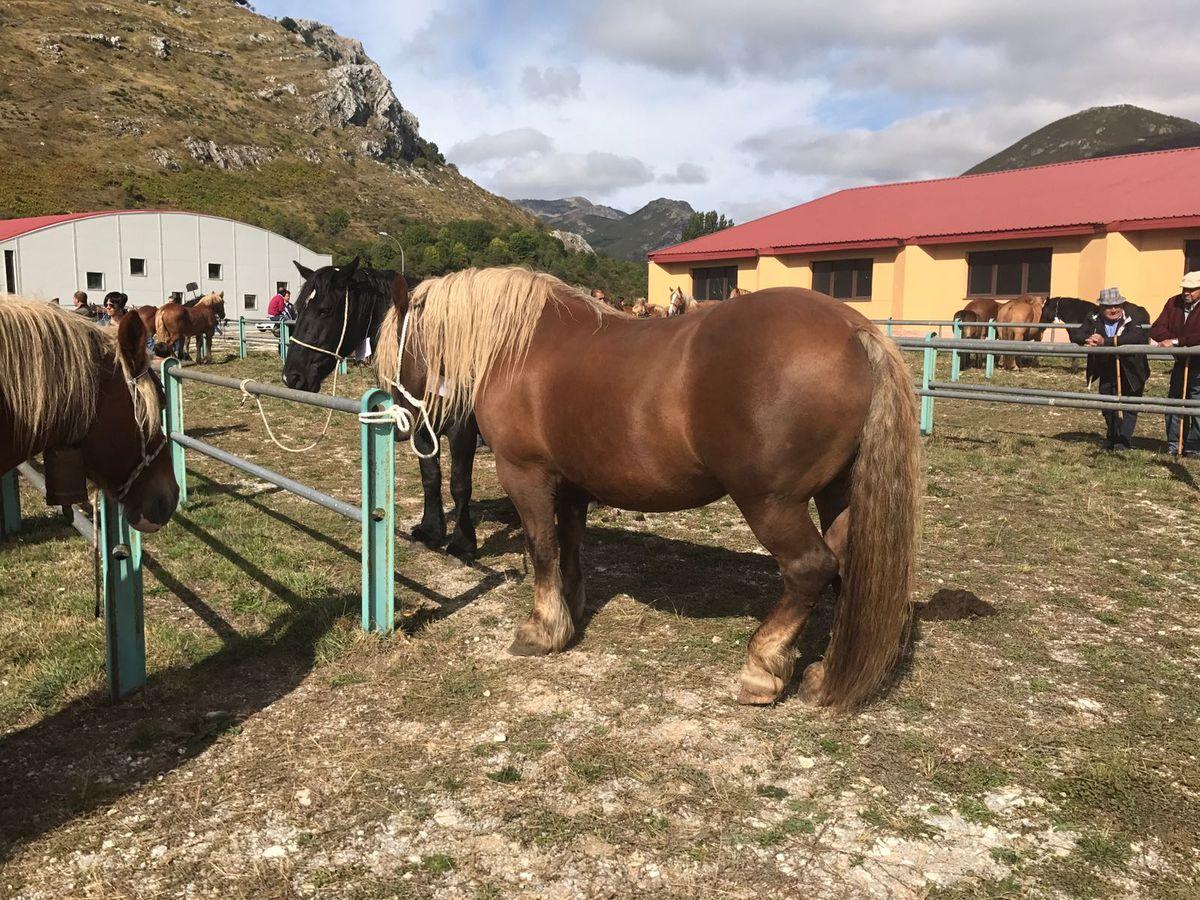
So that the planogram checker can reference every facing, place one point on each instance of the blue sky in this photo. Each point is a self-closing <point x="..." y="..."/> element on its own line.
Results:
<point x="749" y="108"/>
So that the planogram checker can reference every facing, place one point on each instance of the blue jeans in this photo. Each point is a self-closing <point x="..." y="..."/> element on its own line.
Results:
<point x="1191" y="439"/>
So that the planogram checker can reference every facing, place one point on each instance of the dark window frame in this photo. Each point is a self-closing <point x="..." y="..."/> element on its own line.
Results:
<point x="94" y="285"/>
<point x="249" y="301"/>
<point x="1191" y="256"/>
<point x="220" y="267"/>
<point x="718" y="281"/>
<point x="825" y="272"/>
<point x="994" y="259"/>
<point x="145" y="270"/>
<point x="280" y="287"/>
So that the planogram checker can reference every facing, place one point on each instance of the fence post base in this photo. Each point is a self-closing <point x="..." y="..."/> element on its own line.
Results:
<point x="124" y="614"/>
<point x="173" y="423"/>
<point x="991" y="357"/>
<point x="10" y="504"/>
<point x="378" y="517"/>
<point x="955" y="361"/>
<point x="928" y="374"/>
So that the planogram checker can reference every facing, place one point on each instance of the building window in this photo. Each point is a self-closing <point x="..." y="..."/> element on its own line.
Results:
<point x="10" y="271"/>
<point x="280" y="287"/>
<point x="249" y="301"/>
<point x="95" y="281"/>
<point x="714" y="283"/>
<point x="177" y="296"/>
<point x="137" y="266"/>
<point x="845" y="279"/>
<point x="1191" y="256"/>
<point x="1008" y="273"/>
<point x="214" y="271"/>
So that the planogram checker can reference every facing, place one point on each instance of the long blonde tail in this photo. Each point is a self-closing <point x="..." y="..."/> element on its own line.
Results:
<point x="160" y="333"/>
<point x="873" y="611"/>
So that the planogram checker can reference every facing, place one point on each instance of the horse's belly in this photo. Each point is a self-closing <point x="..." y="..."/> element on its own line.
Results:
<point x="665" y="493"/>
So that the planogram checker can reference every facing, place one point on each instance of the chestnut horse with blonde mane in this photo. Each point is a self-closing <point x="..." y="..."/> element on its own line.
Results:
<point x="1021" y="309"/>
<point x="175" y="321"/>
<point x="65" y="383"/>
<point x="782" y="397"/>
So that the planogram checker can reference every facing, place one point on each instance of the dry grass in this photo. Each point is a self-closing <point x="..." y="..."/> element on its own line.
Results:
<point x="1046" y="751"/>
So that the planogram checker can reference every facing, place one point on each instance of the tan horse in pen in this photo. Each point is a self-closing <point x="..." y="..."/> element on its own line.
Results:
<point x="1022" y="309"/>
<point x="174" y="322"/>
<point x="779" y="398"/>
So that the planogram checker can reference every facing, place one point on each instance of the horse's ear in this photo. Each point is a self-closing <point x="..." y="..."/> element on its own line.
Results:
<point x="305" y="272"/>
<point x="350" y="268"/>
<point x="221" y="294"/>
<point x="131" y="342"/>
<point x="400" y="296"/>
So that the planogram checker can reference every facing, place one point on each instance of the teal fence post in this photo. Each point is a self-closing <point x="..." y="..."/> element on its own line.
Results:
<point x="173" y="423"/>
<point x="342" y="367"/>
<point x="955" y="363"/>
<point x="124" y="614"/>
<point x="10" y="504"/>
<point x="378" y="516"/>
<point x="991" y="357"/>
<point x="284" y="339"/>
<point x="241" y="337"/>
<point x="928" y="373"/>
<point x="889" y="326"/>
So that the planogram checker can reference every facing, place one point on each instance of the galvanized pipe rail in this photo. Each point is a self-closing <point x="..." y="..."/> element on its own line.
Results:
<point x="119" y="579"/>
<point x="1169" y="405"/>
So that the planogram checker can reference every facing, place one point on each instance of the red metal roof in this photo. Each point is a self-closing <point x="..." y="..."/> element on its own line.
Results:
<point x="1126" y="193"/>
<point x="11" y="228"/>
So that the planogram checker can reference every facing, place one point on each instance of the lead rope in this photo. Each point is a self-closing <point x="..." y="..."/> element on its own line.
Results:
<point x="397" y="414"/>
<point x="246" y="395"/>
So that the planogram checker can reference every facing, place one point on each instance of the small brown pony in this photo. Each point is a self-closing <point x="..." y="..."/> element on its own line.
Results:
<point x="1022" y="309"/>
<point x="174" y="321"/>
<point x="780" y="398"/>
<point x="65" y="383"/>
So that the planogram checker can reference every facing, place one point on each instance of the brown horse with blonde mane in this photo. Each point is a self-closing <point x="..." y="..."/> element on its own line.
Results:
<point x="174" y="322"/>
<point x="66" y="384"/>
<point x="782" y="397"/>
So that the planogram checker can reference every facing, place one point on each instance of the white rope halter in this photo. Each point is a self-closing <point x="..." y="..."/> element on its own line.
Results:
<point x="397" y="413"/>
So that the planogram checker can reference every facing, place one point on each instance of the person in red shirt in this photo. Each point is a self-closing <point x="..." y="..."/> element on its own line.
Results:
<point x="278" y="305"/>
<point x="1178" y="325"/>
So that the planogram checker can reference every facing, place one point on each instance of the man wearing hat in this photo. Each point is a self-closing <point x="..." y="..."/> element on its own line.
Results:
<point x="1117" y="323"/>
<point x="1178" y="325"/>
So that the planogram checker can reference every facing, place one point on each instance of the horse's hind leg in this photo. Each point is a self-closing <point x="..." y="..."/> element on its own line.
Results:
<point x="550" y="627"/>
<point x="807" y="564"/>
<point x="463" y="442"/>
<point x="432" y="530"/>
<point x="571" y="507"/>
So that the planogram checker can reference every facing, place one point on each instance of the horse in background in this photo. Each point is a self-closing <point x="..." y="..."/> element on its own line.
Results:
<point x="643" y="310"/>
<point x="1020" y="309"/>
<point x="1069" y="309"/>
<point x="174" y="321"/>
<point x="682" y="303"/>
<point x="87" y="398"/>
<point x="341" y="310"/>
<point x="821" y="410"/>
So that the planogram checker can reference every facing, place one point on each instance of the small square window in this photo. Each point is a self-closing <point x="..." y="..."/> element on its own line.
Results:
<point x="280" y="287"/>
<point x="95" y="281"/>
<point x="137" y="266"/>
<point x="214" y="271"/>
<point x="249" y="301"/>
<point x="177" y="296"/>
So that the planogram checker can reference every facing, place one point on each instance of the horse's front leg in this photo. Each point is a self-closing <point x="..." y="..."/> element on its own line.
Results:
<point x="463" y="438"/>
<point x="432" y="530"/>
<point x="550" y="627"/>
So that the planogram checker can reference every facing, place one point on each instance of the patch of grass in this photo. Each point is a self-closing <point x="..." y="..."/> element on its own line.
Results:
<point x="974" y="810"/>
<point x="770" y="791"/>
<point x="1005" y="856"/>
<point x="344" y="678"/>
<point x="507" y="775"/>
<point x="778" y="834"/>
<point x="437" y="863"/>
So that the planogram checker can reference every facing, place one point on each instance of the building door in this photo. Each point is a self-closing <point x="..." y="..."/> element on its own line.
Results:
<point x="10" y="271"/>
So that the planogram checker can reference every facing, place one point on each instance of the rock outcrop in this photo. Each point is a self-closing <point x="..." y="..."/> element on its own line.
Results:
<point x="232" y="156"/>
<point x="573" y="242"/>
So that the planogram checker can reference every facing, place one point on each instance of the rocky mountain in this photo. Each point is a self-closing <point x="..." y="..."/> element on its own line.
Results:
<point x="205" y="105"/>
<point x="1099" y="131"/>
<point x="623" y="235"/>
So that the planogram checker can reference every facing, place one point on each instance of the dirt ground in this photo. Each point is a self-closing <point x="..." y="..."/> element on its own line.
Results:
<point x="1039" y="740"/>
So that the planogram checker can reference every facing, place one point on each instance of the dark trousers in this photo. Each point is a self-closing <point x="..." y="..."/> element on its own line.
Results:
<point x="1120" y="424"/>
<point x="1191" y="438"/>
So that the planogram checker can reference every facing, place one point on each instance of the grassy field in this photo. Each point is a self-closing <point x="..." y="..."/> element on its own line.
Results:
<point x="1047" y="750"/>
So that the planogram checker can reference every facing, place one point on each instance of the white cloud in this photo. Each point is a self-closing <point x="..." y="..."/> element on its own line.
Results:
<point x="686" y="173"/>
<point x="560" y="174"/>
<point x="503" y="145"/>
<point x="553" y="83"/>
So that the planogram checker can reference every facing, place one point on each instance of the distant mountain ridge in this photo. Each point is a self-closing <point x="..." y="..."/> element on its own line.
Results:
<point x="623" y="235"/>
<point x="1095" y="132"/>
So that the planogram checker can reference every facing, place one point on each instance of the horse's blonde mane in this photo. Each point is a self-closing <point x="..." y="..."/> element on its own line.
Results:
<point x="464" y="322"/>
<point x="51" y="367"/>
<point x="211" y="299"/>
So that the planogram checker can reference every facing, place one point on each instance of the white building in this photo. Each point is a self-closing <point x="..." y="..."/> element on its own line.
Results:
<point x="149" y="255"/>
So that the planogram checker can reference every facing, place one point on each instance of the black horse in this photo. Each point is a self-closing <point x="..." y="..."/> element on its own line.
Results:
<point x="1068" y="310"/>
<point x="358" y="298"/>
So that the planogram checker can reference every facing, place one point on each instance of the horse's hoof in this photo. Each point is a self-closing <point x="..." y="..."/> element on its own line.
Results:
<point x="758" y="686"/>
<point x="522" y="647"/>
<point x="462" y="547"/>
<point x="428" y="537"/>
<point x="812" y="684"/>
<point x="750" y="698"/>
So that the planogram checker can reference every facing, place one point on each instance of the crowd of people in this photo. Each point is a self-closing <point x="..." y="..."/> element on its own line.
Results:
<point x="109" y="312"/>
<point x="1120" y="322"/>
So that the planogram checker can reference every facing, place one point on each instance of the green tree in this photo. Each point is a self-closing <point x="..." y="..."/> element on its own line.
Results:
<point x="702" y="223"/>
